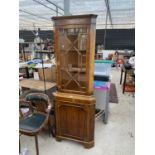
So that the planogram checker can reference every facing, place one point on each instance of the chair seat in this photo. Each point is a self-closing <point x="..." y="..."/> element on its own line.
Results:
<point x="32" y="122"/>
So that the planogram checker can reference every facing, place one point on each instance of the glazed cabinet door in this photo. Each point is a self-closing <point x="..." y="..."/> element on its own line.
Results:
<point x="72" y="53"/>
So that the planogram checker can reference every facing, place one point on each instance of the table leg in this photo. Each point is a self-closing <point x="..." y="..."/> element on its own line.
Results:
<point x="19" y="146"/>
<point x="121" y="76"/>
<point x="106" y="112"/>
<point x="124" y="82"/>
<point x="49" y="56"/>
<point x="27" y="72"/>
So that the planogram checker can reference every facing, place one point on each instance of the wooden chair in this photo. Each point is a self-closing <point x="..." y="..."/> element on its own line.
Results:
<point x="34" y="120"/>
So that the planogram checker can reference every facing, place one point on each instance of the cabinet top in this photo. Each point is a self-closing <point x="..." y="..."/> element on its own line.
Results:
<point x="70" y="97"/>
<point x="74" y="17"/>
<point x="75" y="20"/>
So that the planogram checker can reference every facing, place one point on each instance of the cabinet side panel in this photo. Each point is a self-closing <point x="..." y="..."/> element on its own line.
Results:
<point x="91" y="58"/>
<point x="57" y="55"/>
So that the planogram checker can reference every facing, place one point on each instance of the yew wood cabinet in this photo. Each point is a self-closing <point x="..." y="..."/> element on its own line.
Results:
<point x="75" y="118"/>
<point x="74" y="45"/>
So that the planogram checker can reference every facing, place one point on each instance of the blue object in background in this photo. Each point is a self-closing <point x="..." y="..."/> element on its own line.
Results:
<point x="34" y="60"/>
<point x="29" y="62"/>
<point x="37" y="60"/>
<point x="101" y="85"/>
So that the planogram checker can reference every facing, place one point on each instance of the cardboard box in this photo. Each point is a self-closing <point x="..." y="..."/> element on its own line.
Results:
<point x="50" y="74"/>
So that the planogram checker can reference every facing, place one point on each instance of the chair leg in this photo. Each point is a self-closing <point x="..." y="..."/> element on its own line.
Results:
<point x="19" y="146"/>
<point x="53" y="131"/>
<point x="50" y="128"/>
<point x="36" y="143"/>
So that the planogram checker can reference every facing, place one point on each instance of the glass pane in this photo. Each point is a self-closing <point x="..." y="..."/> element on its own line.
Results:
<point x="72" y="46"/>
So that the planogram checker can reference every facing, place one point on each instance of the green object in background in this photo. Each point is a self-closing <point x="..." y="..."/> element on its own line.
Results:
<point x="104" y="61"/>
<point x="32" y="65"/>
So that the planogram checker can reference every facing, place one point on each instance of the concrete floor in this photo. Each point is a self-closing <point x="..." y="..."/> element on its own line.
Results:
<point x="115" y="138"/>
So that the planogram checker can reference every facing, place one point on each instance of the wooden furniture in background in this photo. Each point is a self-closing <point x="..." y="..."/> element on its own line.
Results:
<point x="36" y="84"/>
<point x="25" y="71"/>
<point x="127" y="87"/>
<point x="98" y="56"/>
<point x="74" y="38"/>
